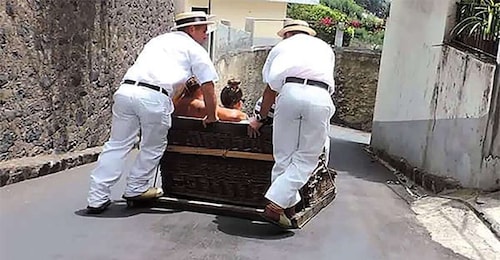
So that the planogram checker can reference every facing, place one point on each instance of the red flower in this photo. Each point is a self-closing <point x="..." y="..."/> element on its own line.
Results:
<point x="327" y="21"/>
<point x="355" y="24"/>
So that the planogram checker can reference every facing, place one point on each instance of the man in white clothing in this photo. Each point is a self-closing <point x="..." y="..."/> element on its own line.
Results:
<point x="144" y="103"/>
<point x="299" y="77"/>
<point x="270" y="115"/>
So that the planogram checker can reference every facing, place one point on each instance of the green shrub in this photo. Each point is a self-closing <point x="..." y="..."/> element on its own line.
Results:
<point x="324" y="20"/>
<point x="348" y="7"/>
<point x="314" y="13"/>
<point x="321" y="18"/>
<point x="374" y="39"/>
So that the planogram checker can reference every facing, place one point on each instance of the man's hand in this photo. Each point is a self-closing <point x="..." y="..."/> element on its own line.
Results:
<point x="253" y="127"/>
<point x="208" y="120"/>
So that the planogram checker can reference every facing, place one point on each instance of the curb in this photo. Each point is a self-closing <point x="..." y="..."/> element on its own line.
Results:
<point x="446" y="184"/>
<point x="489" y="222"/>
<point x="428" y="181"/>
<point x="17" y="170"/>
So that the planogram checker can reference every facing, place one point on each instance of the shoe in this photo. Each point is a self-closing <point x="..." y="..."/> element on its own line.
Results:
<point x="149" y="194"/>
<point x="277" y="218"/>
<point x="290" y="212"/>
<point x="100" y="209"/>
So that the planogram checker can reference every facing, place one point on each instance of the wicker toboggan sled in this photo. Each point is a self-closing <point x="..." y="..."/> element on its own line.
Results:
<point x="220" y="170"/>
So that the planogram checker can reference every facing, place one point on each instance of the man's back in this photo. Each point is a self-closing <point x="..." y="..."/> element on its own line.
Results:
<point x="166" y="60"/>
<point x="301" y="56"/>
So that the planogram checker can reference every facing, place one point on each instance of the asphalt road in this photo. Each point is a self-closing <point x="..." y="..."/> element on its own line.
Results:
<point x="44" y="219"/>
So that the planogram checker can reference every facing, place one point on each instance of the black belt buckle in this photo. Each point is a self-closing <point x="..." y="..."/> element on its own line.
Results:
<point x="307" y="82"/>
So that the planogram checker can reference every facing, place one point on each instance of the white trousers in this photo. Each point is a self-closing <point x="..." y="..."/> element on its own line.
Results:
<point x="300" y="132"/>
<point x="135" y="108"/>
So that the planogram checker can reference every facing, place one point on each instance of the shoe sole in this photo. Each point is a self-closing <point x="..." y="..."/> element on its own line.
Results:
<point x="142" y="197"/>
<point x="98" y="210"/>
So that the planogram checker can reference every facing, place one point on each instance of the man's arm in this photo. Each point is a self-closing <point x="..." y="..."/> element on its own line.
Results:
<point x="210" y="99"/>
<point x="268" y="99"/>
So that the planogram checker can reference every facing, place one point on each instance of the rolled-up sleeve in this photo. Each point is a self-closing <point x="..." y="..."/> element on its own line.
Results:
<point x="269" y="76"/>
<point x="202" y="66"/>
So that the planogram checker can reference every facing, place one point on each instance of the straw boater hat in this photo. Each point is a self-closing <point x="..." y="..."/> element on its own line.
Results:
<point x="296" y="25"/>
<point x="192" y="18"/>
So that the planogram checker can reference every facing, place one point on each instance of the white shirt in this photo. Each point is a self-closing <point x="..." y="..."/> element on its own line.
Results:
<point x="169" y="59"/>
<point x="300" y="56"/>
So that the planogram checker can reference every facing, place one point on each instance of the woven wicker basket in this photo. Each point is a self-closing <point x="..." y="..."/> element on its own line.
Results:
<point x="228" y="136"/>
<point x="217" y="177"/>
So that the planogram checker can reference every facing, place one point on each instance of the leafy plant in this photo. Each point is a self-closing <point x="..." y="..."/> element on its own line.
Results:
<point x="321" y="18"/>
<point x="483" y="17"/>
<point x="314" y="13"/>
<point x="348" y="7"/>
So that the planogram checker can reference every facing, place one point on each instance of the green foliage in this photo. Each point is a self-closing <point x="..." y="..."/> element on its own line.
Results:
<point x="361" y="27"/>
<point x="379" y="8"/>
<point x="372" y="23"/>
<point x="483" y="17"/>
<point x="348" y="7"/>
<point x="314" y="13"/>
<point x="321" y="18"/>
<point x="375" y="39"/>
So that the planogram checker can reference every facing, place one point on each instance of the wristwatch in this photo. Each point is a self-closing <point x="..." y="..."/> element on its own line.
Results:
<point x="264" y="120"/>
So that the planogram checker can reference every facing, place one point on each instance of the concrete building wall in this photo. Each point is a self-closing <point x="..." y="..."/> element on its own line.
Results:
<point x="236" y="12"/>
<point x="433" y="101"/>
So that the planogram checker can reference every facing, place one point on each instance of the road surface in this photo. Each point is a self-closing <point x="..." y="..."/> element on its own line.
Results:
<point x="44" y="219"/>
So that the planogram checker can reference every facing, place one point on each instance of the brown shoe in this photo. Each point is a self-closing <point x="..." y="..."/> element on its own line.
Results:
<point x="149" y="194"/>
<point x="274" y="216"/>
<point x="290" y="212"/>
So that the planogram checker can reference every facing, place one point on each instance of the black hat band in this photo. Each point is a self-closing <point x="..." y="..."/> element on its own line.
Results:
<point x="190" y="20"/>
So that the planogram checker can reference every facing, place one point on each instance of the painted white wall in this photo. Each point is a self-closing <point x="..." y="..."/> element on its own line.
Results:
<point x="433" y="101"/>
<point x="236" y="12"/>
<point x="413" y="40"/>
<point x="454" y="145"/>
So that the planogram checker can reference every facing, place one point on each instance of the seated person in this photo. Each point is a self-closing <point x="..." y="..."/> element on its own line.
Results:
<point x="258" y="105"/>
<point x="191" y="104"/>
<point x="231" y="95"/>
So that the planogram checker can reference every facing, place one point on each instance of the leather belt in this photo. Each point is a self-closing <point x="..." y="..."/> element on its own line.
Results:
<point x="310" y="82"/>
<point x="143" y="84"/>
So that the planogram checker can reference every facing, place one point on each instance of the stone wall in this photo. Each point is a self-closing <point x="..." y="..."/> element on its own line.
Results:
<point x="356" y="77"/>
<point x="247" y="67"/>
<point x="229" y="40"/>
<point x="61" y="62"/>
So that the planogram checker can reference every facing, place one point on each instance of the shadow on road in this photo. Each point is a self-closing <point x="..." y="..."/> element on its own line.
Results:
<point x="349" y="157"/>
<point x="250" y="229"/>
<point x="119" y="209"/>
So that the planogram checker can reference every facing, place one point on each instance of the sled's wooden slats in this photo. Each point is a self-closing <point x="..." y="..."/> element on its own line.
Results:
<point x="219" y="152"/>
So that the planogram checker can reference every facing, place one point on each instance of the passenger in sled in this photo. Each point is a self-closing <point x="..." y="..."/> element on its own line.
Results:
<point x="190" y="102"/>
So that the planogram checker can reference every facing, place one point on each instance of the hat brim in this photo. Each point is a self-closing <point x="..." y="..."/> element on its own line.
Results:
<point x="310" y="31"/>
<point x="194" y="24"/>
